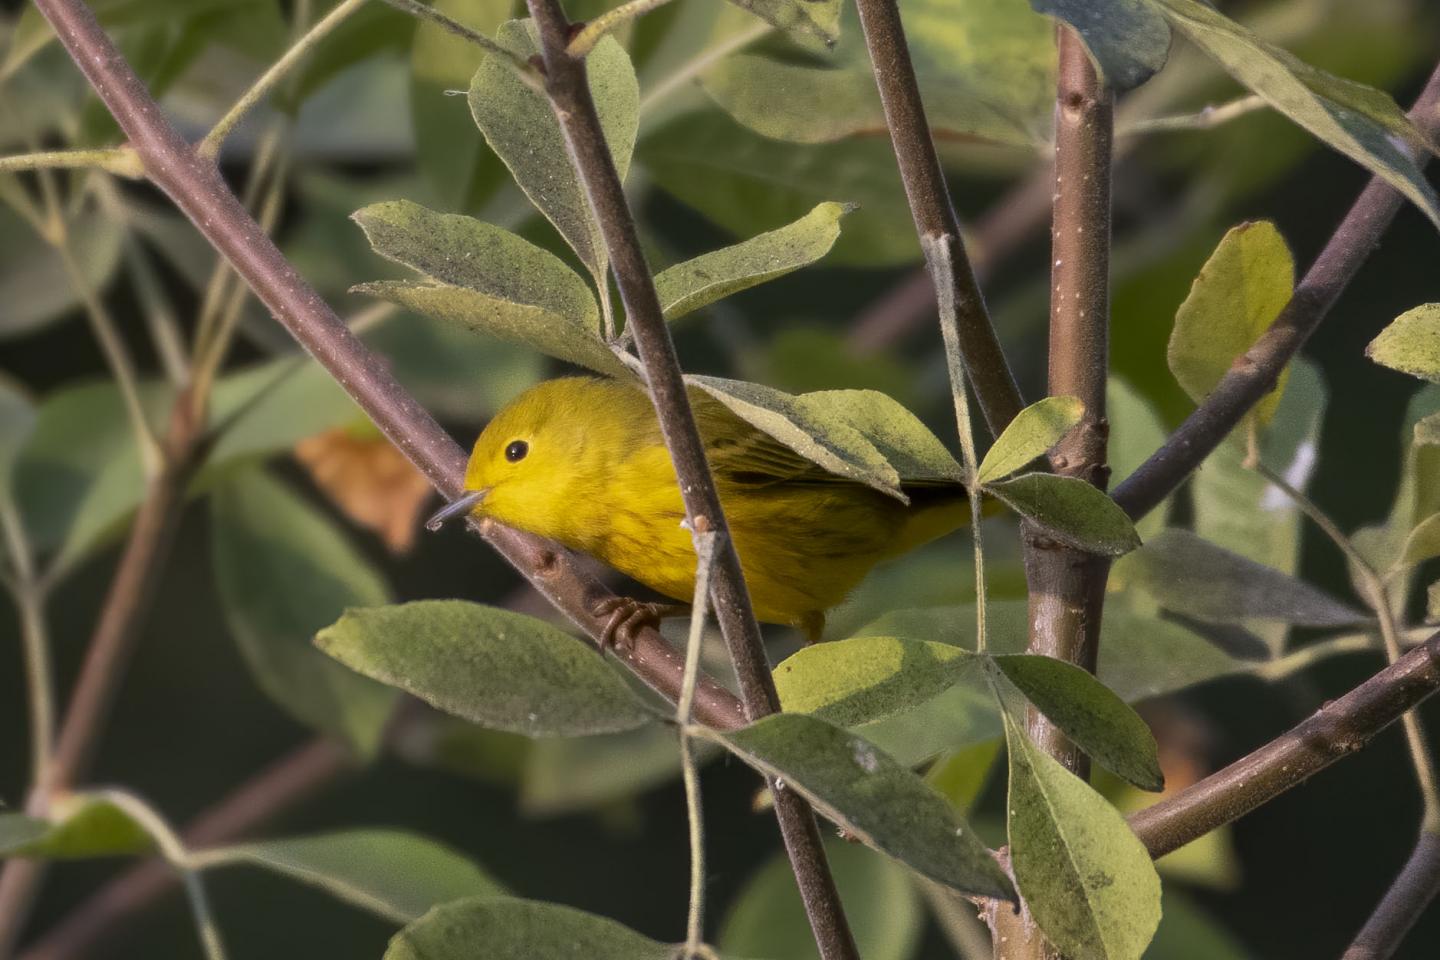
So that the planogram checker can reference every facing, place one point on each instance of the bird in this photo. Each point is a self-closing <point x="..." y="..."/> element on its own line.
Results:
<point x="581" y="461"/>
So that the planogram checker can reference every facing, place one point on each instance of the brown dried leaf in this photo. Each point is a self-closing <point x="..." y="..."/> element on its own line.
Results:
<point x="369" y="480"/>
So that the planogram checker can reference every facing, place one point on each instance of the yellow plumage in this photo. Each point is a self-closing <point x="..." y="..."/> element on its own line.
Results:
<point x="582" y="462"/>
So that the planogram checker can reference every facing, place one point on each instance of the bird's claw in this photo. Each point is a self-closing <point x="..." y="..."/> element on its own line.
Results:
<point x="628" y="617"/>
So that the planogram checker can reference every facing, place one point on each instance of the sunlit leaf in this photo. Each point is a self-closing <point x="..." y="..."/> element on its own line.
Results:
<point x="1423" y="542"/>
<point x="499" y="669"/>
<point x="396" y="875"/>
<point x="1127" y="38"/>
<point x="77" y="827"/>
<point x="862" y="789"/>
<point x="712" y="276"/>
<point x="1086" y="878"/>
<point x="1411" y="343"/>
<point x="1034" y="430"/>
<point x="505" y="928"/>
<point x="815" y="20"/>
<point x="1070" y="510"/>
<point x="522" y="130"/>
<point x="905" y="442"/>
<point x="864" y="679"/>
<point x="1239" y="292"/>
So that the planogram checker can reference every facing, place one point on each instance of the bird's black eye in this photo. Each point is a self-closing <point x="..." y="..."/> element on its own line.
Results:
<point x="516" y="451"/>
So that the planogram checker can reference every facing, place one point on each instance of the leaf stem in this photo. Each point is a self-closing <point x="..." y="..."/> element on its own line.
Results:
<point x="527" y="72"/>
<point x="35" y="639"/>
<point x="684" y="708"/>
<point x="121" y="161"/>
<point x="590" y="34"/>
<point x="1205" y="119"/>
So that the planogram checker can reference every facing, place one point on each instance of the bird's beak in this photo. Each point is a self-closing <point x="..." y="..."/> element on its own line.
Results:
<point x="460" y="505"/>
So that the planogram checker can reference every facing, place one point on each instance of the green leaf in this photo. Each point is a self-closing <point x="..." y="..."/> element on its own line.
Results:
<point x="78" y="827"/>
<point x="767" y="918"/>
<point x="1240" y="291"/>
<point x="1070" y="510"/>
<point x="1126" y="38"/>
<point x="1192" y="576"/>
<point x="1086" y="878"/>
<point x="811" y="428"/>
<point x="1411" y="343"/>
<point x="907" y="445"/>
<point x="391" y="873"/>
<point x="863" y="790"/>
<point x="1090" y="714"/>
<point x="503" y="670"/>
<point x="522" y="130"/>
<point x="1359" y="121"/>
<point x="712" y="276"/>
<point x="1423" y="543"/>
<point x="533" y="327"/>
<point x="746" y="183"/>
<point x="284" y="570"/>
<point x="864" y="679"/>
<point x="268" y="407"/>
<point x="17" y="420"/>
<point x="465" y="252"/>
<point x="1034" y="430"/>
<point x="505" y="928"/>
<point x="962" y="775"/>
<point x="1187" y="932"/>
<point x="34" y="284"/>
<point x="1135" y="433"/>
<point x="563" y="775"/>
<point x="802" y="19"/>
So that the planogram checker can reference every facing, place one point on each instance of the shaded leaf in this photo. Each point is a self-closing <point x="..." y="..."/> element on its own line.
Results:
<point x="1070" y="510"/>
<point x="503" y="670"/>
<point x="1090" y="714"/>
<point x="712" y="276"/>
<point x="17" y="420"/>
<point x="1034" y="430"/>
<point x="1239" y="292"/>
<point x="562" y="775"/>
<point x="78" y="827"/>
<point x="1188" y="933"/>
<point x="34" y="284"/>
<point x="1359" y="121"/>
<point x="1135" y="433"/>
<point x="506" y="928"/>
<point x="522" y="130"/>
<point x="862" y="789"/>
<point x="283" y="571"/>
<point x="391" y="873"/>
<point x="864" y="679"/>
<point x="961" y="776"/>
<point x="1411" y="343"/>
<point x="1423" y="542"/>
<point x="1126" y="38"/>
<point x="1086" y="878"/>
<point x="767" y="918"/>
<point x="1192" y="576"/>
<point x="17" y="831"/>
<point x="905" y="443"/>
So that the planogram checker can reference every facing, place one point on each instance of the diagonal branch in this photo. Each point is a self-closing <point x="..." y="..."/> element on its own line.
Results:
<point x="1413" y="890"/>
<point x="1254" y="373"/>
<point x="569" y="90"/>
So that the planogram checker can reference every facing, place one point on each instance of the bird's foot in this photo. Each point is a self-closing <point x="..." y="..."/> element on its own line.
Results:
<point x="629" y="616"/>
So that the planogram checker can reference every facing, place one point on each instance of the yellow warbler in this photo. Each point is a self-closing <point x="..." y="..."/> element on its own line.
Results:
<point x="581" y="461"/>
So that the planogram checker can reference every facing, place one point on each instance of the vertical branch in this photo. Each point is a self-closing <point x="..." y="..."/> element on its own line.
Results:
<point x="934" y="214"/>
<point x="569" y="90"/>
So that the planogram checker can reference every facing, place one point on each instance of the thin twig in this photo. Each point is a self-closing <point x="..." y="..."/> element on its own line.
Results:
<point x="584" y="41"/>
<point x="34" y="637"/>
<point x="1413" y="890"/>
<point x="416" y="9"/>
<point x="1206" y="119"/>
<point x="121" y="161"/>
<point x="684" y="707"/>
<point x="159" y="317"/>
<point x="569" y="90"/>
<point x="932" y="210"/>
<point x="1254" y="373"/>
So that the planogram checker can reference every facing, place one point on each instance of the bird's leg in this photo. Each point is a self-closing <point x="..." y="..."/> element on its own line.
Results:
<point x="629" y="616"/>
<point x="812" y="625"/>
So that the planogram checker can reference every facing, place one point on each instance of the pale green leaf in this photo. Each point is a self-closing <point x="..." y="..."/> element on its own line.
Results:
<point x="522" y="130"/>
<point x="1126" y="38"/>
<point x="864" y="679"/>
<point x="77" y="827"/>
<point x="712" y="276"/>
<point x="1432" y="603"/>
<point x="1070" y="510"/>
<point x="505" y="928"/>
<point x="1359" y="121"/>
<point x="1087" y="879"/>
<point x="1034" y="430"/>
<point x="1090" y="714"/>
<point x="503" y="670"/>
<point x="17" y="831"/>
<point x="563" y="775"/>
<point x="767" y="919"/>
<point x="905" y="442"/>
<point x="1135" y="433"/>
<point x="863" y="790"/>
<point x="284" y="570"/>
<point x="1239" y="292"/>
<point x="465" y="252"/>
<point x="393" y="874"/>
<point x="805" y="20"/>
<point x="1411" y="343"/>
<point x="35" y="287"/>
<point x="1423" y="543"/>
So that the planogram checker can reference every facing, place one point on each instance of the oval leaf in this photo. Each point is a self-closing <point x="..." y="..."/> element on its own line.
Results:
<point x="916" y="454"/>
<point x="78" y="827"/>
<point x="1239" y="292"/>
<point x="1411" y="343"/>
<point x="855" y="681"/>
<point x="1034" y="430"/>
<point x="852" y="782"/>
<point x="499" y="669"/>
<point x="396" y="875"/>
<point x="1423" y="543"/>
<point x="712" y="276"/>
<point x="801" y="19"/>
<point x="1090" y="714"/>
<point x="507" y="928"/>
<point x="1127" y="39"/>
<point x="522" y="130"/>
<point x="1070" y="510"/>
<point x="1086" y="878"/>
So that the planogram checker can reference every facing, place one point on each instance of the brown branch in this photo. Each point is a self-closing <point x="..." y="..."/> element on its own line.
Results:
<point x="1407" y="898"/>
<point x="569" y="91"/>
<point x="1336" y="730"/>
<point x="1254" y="373"/>
<point x="932" y="210"/>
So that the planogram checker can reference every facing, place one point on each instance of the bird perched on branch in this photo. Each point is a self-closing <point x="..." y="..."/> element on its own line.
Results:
<point x="582" y="461"/>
